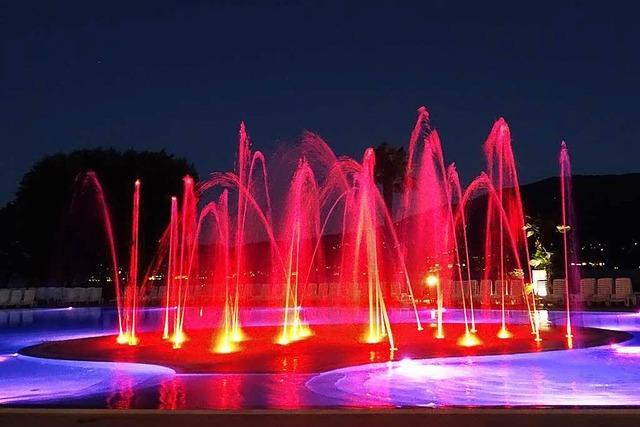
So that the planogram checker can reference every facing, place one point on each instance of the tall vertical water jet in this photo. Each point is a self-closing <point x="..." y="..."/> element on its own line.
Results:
<point x="420" y="130"/>
<point x="131" y="293"/>
<point x="502" y="172"/>
<point x="90" y="179"/>
<point x="427" y="231"/>
<point x="171" y="265"/>
<point x="244" y="178"/>
<point x="300" y="236"/>
<point x="362" y="260"/>
<point x="452" y="244"/>
<point x="482" y="185"/>
<point x="456" y="191"/>
<point x="240" y="241"/>
<point x="340" y="184"/>
<point x="567" y="228"/>
<point x="226" y="341"/>
<point x="186" y="251"/>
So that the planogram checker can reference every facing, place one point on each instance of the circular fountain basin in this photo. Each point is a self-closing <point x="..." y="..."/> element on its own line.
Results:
<point x="331" y="347"/>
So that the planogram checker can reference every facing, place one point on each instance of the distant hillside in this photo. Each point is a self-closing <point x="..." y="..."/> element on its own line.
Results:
<point x="607" y="208"/>
<point x="608" y="230"/>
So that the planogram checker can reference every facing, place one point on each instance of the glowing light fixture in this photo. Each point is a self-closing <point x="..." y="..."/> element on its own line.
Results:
<point x="178" y="339"/>
<point x="469" y="340"/>
<point x="504" y="334"/>
<point x="431" y="280"/>
<point x="224" y="345"/>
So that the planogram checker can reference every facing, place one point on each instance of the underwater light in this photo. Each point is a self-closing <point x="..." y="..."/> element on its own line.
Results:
<point x="504" y="334"/>
<point x="626" y="349"/>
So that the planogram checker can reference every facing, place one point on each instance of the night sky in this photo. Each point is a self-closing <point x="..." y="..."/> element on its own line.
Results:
<point x="181" y="76"/>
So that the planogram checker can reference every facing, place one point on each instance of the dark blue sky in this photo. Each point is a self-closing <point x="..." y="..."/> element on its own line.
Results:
<point x="180" y="76"/>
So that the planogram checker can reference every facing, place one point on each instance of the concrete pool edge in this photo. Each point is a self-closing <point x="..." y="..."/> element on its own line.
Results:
<point x="453" y="417"/>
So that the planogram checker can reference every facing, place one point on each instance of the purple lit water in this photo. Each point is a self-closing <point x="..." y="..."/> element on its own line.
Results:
<point x="600" y="376"/>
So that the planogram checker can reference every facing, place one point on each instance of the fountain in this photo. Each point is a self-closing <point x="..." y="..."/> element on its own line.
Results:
<point x="239" y="241"/>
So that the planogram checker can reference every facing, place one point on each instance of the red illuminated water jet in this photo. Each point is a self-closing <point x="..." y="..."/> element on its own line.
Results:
<point x="130" y="311"/>
<point x="515" y="271"/>
<point x="89" y="180"/>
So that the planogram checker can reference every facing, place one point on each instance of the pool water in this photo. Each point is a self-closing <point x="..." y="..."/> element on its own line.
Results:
<point x="599" y="376"/>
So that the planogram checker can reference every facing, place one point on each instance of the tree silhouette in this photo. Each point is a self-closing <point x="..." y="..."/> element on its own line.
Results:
<point x="41" y="234"/>
<point x="391" y="163"/>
